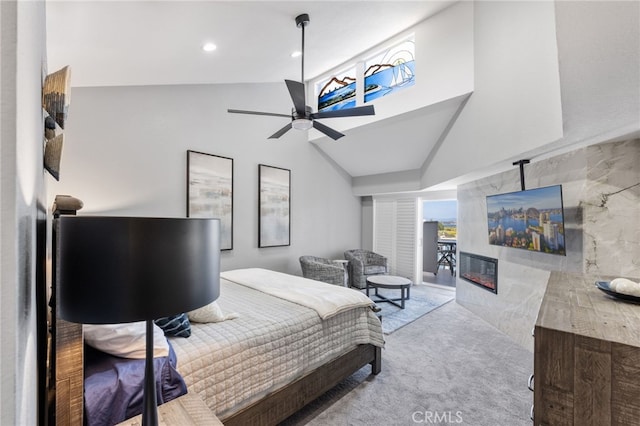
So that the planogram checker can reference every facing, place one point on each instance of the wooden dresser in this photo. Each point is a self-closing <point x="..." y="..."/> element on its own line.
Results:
<point x="586" y="356"/>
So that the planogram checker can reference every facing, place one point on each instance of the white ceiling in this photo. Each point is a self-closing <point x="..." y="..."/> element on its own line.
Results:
<point x="152" y="42"/>
<point x="400" y="143"/>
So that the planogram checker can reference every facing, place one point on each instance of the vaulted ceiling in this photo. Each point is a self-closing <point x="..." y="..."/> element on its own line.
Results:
<point x="121" y="43"/>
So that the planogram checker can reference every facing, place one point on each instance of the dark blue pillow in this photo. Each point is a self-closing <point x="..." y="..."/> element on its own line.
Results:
<point x="175" y="325"/>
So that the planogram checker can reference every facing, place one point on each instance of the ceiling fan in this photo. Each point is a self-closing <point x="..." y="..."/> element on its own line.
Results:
<point x="302" y="117"/>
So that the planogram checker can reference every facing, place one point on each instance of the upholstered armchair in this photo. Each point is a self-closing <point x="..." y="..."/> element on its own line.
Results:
<point x="321" y="269"/>
<point x="363" y="263"/>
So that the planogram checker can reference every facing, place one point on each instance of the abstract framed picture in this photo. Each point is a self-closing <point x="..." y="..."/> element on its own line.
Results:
<point x="210" y="191"/>
<point x="274" y="204"/>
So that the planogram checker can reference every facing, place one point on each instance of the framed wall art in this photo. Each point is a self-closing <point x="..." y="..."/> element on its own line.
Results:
<point x="274" y="204"/>
<point x="210" y="191"/>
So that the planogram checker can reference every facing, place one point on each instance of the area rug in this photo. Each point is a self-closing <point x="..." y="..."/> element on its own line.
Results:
<point x="424" y="299"/>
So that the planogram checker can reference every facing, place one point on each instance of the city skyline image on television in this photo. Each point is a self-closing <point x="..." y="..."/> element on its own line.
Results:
<point x="531" y="220"/>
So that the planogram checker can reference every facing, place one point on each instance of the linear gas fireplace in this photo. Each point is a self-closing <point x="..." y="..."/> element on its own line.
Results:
<point x="479" y="270"/>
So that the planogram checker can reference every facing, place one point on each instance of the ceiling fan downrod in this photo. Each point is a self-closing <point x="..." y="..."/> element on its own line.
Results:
<point x="301" y="22"/>
<point x="301" y="115"/>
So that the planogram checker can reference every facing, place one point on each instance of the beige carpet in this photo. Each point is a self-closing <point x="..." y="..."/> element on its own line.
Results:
<point x="447" y="367"/>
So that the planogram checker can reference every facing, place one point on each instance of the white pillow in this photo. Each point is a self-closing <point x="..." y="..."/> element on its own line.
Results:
<point x="210" y="313"/>
<point x="125" y="340"/>
<point x="625" y="286"/>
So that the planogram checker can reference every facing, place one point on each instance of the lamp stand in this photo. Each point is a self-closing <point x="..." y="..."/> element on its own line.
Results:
<point x="149" y="400"/>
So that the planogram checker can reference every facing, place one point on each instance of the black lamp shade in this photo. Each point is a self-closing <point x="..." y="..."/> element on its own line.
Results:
<point x="125" y="269"/>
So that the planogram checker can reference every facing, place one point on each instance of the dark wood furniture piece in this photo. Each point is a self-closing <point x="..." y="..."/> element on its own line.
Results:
<point x="67" y="383"/>
<point x="391" y="282"/>
<point x="586" y="356"/>
<point x="65" y="373"/>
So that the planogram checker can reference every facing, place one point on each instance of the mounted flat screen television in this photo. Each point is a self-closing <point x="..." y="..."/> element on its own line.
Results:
<point x="531" y="220"/>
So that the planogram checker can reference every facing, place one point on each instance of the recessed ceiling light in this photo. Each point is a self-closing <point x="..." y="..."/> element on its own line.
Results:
<point x="296" y="54"/>
<point x="209" y="47"/>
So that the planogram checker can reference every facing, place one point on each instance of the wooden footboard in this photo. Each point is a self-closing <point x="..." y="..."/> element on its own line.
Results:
<point x="66" y="383"/>
<point x="284" y="402"/>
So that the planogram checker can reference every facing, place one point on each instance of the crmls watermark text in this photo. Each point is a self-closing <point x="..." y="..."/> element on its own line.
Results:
<point x="437" y="417"/>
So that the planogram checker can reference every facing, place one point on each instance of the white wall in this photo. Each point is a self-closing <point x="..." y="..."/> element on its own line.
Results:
<point x="599" y="48"/>
<point x="443" y="60"/>
<point x="125" y="154"/>
<point x="516" y="101"/>
<point x="549" y="77"/>
<point x="22" y="46"/>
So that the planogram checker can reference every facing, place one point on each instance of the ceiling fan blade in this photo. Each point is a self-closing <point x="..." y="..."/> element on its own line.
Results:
<point x="296" y="90"/>
<point x="281" y="132"/>
<point x="333" y="134"/>
<point x="240" y="111"/>
<point x="347" y="112"/>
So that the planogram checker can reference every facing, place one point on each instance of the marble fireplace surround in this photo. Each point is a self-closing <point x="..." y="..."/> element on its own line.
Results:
<point x="601" y="197"/>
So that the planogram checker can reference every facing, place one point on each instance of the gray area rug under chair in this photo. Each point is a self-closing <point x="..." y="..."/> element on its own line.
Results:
<point x="423" y="299"/>
<point x="448" y="367"/>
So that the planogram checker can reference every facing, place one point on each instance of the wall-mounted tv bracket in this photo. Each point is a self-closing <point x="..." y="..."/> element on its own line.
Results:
<point x="521" y="163"/>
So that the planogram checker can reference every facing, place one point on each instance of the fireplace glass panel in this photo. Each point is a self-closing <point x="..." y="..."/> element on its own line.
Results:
<point x="479" y="270"/>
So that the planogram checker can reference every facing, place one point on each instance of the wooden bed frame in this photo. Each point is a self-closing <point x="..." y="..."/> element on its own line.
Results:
<point x="66" y="401"/>
<point x="282" y="403"/>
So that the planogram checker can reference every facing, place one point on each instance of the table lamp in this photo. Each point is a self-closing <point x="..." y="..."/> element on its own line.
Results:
<point x="123" y="269"/>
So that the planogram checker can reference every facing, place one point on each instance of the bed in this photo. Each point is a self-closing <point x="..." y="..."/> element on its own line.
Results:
<point x="273" y="359"/>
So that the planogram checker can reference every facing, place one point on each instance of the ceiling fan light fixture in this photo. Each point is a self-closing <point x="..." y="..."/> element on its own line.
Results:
<point x="302" y="124"/>
<point x="209" y="47"/>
